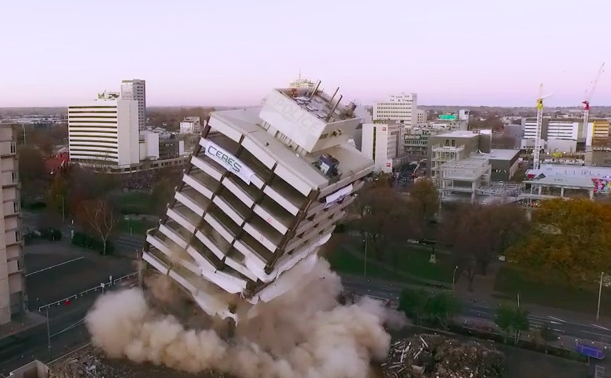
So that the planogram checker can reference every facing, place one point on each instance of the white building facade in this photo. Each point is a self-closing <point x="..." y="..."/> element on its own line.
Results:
<point x="104" y="131"/>
<point x="402" y="108"/>
<point x="264" y="191"/>
<point x="383" y="143"/>
<point x="136" y="90"/>
<point x="12" y="277"/>
<point x="190" y="125"/>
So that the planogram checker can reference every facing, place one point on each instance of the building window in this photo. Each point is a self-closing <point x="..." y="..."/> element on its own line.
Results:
<point x="14" y="176"/>
<point x="13" y="148"/>
<point x="17" y="235"/>
<point x="16" y="206"/>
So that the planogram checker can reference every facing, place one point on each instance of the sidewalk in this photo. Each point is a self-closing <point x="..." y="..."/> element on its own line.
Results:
<point x="484" y="295"/>
<point x="19" y="324"/>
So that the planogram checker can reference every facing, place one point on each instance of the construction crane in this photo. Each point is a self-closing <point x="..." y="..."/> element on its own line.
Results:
<point x="588" y="96"/>
<point x="538" y="145"/>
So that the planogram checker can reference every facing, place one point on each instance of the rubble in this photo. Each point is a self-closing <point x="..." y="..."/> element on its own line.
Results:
<point x="437" y="356"/>
<point x="91" y="362"/>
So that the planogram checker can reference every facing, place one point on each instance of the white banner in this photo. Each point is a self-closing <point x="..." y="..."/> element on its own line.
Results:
<point x="227" y="160"/>
<point x="338" y="196"/>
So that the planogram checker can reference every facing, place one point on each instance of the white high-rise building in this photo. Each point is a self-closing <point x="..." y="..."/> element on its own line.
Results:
<point x="264" y="190"/>
<point x="136" y="90"/>
<point x="104" y="131"/>
<point x="12" y="277"/>
<point x="402" y="108"/>
<point x="422" y="117"/>
<point x="383" y="143"/>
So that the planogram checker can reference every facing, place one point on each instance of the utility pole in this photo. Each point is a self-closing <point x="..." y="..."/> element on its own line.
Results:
<point x="365" y="261"/>
<point x="48" y="334"/>
<point x="600" y="291"/>
<point x="454" y="276"/>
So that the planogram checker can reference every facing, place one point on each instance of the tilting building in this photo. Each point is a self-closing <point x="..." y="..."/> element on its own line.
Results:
<point x="264" y="190"/>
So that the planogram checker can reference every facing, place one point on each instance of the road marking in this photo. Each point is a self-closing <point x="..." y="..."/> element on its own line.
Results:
<point x="556" y="319"/>
<point x="601" y="327"/>
<point x="55" y="266"/>
<point x="597" y="334"/>
<point x="553" y="322"/>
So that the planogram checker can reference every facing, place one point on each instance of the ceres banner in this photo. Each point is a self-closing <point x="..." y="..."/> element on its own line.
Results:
<point x="227" y="160"/>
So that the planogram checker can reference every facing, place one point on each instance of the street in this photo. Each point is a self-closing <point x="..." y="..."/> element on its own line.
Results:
<point x="57" y="271"/>
<point x="385" y="290"/>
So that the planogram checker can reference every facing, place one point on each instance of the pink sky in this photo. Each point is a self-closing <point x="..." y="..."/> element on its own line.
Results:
<point x="196" y="52"/>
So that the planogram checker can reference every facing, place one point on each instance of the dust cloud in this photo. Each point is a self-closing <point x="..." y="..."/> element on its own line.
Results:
<point x="305" y="333"/>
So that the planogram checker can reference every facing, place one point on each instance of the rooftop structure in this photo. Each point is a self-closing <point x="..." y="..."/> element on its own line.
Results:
<point x="263" y="192"/>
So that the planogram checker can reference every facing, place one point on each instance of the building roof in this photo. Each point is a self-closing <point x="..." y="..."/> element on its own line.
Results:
<point x="458" y="134"/>
<point x="563" y="181"/>
<point x="247" y="122"/>
<point x="502" y="154"/>
<point x="571" y="170"/>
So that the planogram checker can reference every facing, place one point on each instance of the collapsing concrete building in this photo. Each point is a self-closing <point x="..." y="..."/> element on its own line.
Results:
<point x="263" y="192"/>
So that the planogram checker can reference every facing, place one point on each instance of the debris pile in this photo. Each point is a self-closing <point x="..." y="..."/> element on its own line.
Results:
<point x="91" y="362"/>
<point x="436" y="356"/>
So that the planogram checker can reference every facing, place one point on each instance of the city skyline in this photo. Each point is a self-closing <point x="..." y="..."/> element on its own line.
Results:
<point x="229" y="54"/>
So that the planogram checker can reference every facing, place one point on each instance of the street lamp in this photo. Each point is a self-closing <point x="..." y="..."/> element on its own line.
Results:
<point x="365" y="260"/>
<point x="48" y="334"/>
<point x="600" y="291"/>
<point x="454" y="276"/>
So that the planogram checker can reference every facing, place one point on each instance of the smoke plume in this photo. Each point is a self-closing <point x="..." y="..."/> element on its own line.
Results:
<point x="304" y="333"/>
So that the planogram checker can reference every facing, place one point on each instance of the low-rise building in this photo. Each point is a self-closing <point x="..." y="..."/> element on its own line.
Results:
<point x="383" y="143"/>
<point x="191" y="125"/>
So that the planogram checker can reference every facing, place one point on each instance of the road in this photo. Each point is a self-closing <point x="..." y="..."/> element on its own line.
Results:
<point x="384" y="290"/>
<point x="71" y="272"/>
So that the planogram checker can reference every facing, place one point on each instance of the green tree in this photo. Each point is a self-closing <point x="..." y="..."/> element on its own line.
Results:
<point x="413" y="302"/>
<point x="512" y="320"/>
<point x="569" y="241"/>
<point x="428" y="308"/>
<point x="441" y="308"/>
<point x="162" y="193"/>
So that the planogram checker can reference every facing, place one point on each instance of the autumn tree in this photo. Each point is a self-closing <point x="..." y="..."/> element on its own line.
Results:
<point x="569" y="241"/>
<point x="84" y="184"/>
<point x="435" y="309"/>
<point x="423" y="205"/>
<point x="32" y="174"/>
<point x="98" y="216"/>
<point x="478" y="234"/>
<point x="381" y="216"/>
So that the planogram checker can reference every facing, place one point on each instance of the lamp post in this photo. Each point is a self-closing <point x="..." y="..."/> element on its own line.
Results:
<point x="48" y="333"/>
<point x="454" y="276"/>
<point x="600" y="291"/>
<point x="365" y="260"/>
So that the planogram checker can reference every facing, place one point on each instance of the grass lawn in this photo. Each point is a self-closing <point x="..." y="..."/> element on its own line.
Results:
<point x="511" y="281"/>
<point x="414" y="260"/>
<point x="135" y="203"/>
<point x="343" y="261"/>
<point x="134" y="226"/>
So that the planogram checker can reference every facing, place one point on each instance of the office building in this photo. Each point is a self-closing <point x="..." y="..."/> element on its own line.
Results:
<point x="463" y="163"/>
<point x="383" y="143"/>
<point x="12" y="276"/>
<point x="190" y="125"/>
<point x="170" y="148"/>
<point x="422" y="117"/>
<point x="136" y="90"/>
<point x="263" y="192"/>
<point x="402" y="108"/>
<point x="104" y="131"/>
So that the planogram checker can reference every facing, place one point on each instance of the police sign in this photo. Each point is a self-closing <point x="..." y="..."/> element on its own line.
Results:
<point x="230" y="162"/>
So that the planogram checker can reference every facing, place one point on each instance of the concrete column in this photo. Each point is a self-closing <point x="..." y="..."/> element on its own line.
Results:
<point x="540" y="188"/>
<point x="562" y="192"/>
<point x="591" y="191"/>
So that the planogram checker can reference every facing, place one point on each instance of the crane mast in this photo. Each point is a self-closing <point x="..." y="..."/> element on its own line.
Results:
<point x="586" y="102"/>
<point x="538" y="146"/>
